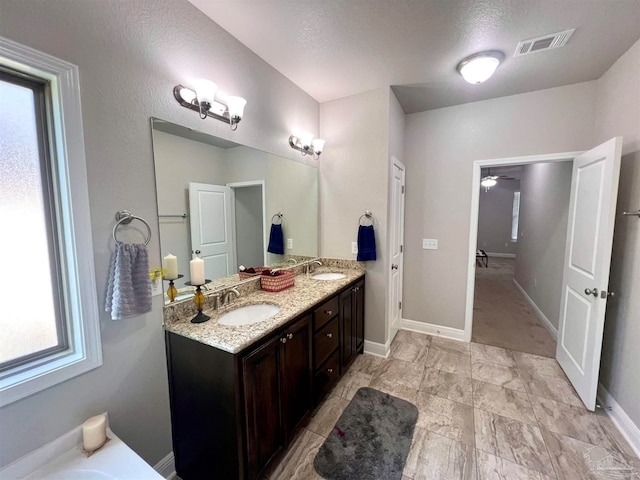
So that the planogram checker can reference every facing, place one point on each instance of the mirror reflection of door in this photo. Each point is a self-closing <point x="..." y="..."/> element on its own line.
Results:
<point x="211" y="228"/>
<point x="247" y="202"/>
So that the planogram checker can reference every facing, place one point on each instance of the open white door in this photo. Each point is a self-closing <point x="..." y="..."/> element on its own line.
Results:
<point x="396" y="228"/>
<point x="594" y="189"/>
<point x="211" y="228"/>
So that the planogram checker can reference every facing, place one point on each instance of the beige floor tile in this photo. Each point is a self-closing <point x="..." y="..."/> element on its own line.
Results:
<point x="435" y="457"/>
<point x="298" y="462"/>
<point x="614" y="434"/>
<point x="409" y="352"/>
<point x="398" y="371"/>
<point x="511" y="440"/>
<point x="503" y="401"/>
<point x="496" y="374"/>
<point x="413" y="338"/>
<point x="491" y="467"/>
<point x="326" y="415"/>
<point x="576" y="460"/>
<point x="487" y="353"/>
<point x="350" y="382"/>
<point x="554" y="387"/>
<point x="450" y="419"/>
<point x="449" y="361"/>
<point x="397" y="390"/>
<point x="454" y="346"/>
<point x="447" y="385"/>
<point x="366" y="363"/>
<point x="535" y="364"/>
<point x="574" y="422"/>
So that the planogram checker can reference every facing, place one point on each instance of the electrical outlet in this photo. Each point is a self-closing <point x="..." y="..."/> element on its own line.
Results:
<point x="429" y="244"/>
<point x="535" y="283"/>
<point x="289" y="243"/>
<point x="354" y="247"/>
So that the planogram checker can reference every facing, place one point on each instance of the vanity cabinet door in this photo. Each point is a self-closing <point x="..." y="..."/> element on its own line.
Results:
<point x="295" y="377"/>
<point x="348" y="343"/>
<point x="264" y="426"/>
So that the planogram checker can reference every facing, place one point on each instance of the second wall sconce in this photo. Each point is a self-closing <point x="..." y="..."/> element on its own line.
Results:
<point x="202" y="100"/>
<point x="307" y="145"/>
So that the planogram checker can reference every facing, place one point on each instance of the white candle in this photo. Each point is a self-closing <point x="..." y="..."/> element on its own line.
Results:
<point x="170" y="264"/>
<point x="196" y="266"/>
<point x="94" y="433"/>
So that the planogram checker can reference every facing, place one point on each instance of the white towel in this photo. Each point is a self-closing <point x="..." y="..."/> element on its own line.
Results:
<point x="129" y="288"/>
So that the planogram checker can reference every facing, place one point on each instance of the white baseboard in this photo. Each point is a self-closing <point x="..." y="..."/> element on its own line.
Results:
<point x="501" y="255"/>
<point x="620" y="419"/>
<point x="553" y="331"/>
<point x="431" y="329"/>
<point x="166" y="467"/>
<point x="377" y="349"/>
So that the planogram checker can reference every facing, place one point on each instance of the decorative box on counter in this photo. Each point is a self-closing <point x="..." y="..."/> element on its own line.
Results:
<point x="249" y="274"/>
<point x="278" y="281"/>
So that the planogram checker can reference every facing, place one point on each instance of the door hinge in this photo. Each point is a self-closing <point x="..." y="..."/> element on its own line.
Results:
<point x="402" y="188"/>
<point x="399" y="305"/>
<point x="400" y="248"/>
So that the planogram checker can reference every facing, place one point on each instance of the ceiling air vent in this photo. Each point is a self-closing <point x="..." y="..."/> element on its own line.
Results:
<point x="545" y="42"/>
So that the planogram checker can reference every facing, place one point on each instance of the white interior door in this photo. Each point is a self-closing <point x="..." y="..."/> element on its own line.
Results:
<point x="211" y="228"/>
<point x="594" y="188"/>
<point x="396" y="227"/>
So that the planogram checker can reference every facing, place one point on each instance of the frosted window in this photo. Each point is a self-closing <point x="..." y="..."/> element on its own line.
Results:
<point x="30" y="317"/>
<point x="515" y="216"/>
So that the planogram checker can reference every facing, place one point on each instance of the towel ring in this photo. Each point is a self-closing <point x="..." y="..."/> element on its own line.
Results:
<point x="279" y="215"/>
<point x="368" y="215"/>
<point x="124" y="217"/>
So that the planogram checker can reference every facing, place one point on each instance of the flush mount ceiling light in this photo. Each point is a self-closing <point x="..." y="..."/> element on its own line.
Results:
<point x="202" y="100"/>
<point x="479" y="67"/>
<point x="306" y="144"/>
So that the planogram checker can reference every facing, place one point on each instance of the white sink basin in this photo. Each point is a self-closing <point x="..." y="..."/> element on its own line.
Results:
<point x="249" y="314"/>
<point x="328" y="276"/>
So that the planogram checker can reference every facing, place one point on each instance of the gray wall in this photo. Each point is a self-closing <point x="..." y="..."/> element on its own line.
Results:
<point x="440" y="148"/>
<point x="250" y="235"/>
<point x="544" y="206"/>
<point x="495" y="213"/>
<point x="618" y="113"/>
<point x="130" y="55"/>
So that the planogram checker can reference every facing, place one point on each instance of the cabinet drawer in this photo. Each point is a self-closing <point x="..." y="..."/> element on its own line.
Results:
<point x="327" y="376"/>
<point x="325" y="342"/>
<point x="325" y="312"/>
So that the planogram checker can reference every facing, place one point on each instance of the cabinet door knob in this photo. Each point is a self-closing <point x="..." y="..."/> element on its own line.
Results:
<point x="329" y="312"/>
<point x="289" y="336"/>
<point x="330" y="370"/>
<point x="330" y="335"/>
<point x="283" y="340"/>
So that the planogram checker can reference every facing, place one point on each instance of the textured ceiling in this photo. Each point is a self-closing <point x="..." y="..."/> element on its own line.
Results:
<point x="335" y="48"/>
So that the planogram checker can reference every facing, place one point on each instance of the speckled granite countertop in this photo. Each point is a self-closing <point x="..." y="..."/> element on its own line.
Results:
<point x="293" y="301"/>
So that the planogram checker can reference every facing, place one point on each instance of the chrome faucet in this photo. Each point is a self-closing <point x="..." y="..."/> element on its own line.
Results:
<point x="292" y="260"/>
<point x="308" y="267"/>
<point x="227" y="295"/>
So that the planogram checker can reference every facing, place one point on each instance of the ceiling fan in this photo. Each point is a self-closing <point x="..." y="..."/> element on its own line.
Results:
<point x="489" y="180"/>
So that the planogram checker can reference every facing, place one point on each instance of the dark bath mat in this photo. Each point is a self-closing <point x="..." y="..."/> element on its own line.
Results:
<point x="370" y="441"/>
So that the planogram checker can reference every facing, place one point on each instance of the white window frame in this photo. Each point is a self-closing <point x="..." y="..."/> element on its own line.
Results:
<point x="74" y="223"/>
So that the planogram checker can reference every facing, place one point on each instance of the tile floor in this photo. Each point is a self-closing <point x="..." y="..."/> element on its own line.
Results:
<point x="485" y="413"/>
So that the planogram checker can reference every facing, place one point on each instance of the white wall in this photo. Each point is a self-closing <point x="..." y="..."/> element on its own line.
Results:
<point x="250" y="246"/>
<point x="618" y="113"/>
<point x="130" y="55"/>
<point x="495" y="217"/>
<point x="544" y="208"/>
<point x="440" y="148"/>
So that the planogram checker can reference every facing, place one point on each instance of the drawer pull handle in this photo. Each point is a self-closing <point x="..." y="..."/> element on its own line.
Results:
<point x="330" y="370"/>
<point x="329" y="312"/>
<point x="289" y="336"/>
<point x="283" y="340"/>
<point x="330" y="335"/>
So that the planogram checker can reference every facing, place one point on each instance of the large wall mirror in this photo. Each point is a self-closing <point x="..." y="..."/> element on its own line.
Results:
<point x="220" y="198"/>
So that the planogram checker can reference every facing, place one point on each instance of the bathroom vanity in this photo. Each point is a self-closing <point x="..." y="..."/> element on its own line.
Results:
<point x="238" y="394"/>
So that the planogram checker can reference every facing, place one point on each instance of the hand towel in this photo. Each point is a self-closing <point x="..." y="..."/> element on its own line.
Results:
<point x="366" y="243"/>
<point x="129" y="288"/>
<point x="276" y="239"/>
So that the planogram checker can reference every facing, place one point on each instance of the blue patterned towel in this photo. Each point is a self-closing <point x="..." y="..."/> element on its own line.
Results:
<point x="129" y="288"/>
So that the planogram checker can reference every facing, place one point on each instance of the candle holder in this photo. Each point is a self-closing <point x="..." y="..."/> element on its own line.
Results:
<point x="198" y="299"/>
<point x="172" y="292"/>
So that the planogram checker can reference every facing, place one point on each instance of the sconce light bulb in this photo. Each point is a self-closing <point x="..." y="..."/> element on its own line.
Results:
<point x="236" y="107"/>
<point x="187" y="94"/>
<point x="305" y="140"/>
<point x="205" y="92"/>
<point x="318" y="145"/>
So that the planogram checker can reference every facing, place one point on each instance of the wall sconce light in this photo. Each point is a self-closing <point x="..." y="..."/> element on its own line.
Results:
<point x="478" y="67"/>
<point x="202" y="100"/>
<point x="307" y="145"/>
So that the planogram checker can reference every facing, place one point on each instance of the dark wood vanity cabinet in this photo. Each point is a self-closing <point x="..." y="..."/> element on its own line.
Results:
<point x="233" y="414"/>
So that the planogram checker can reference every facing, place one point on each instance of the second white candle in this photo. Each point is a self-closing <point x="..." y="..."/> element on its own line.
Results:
<point x="196" y="266"/>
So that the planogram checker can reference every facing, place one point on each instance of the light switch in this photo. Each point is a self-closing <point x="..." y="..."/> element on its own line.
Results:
<point x="156" y="288"/>
<point x="289" y="243"/>
<point x="429" y="244"/>
<point x="354" y="247"/>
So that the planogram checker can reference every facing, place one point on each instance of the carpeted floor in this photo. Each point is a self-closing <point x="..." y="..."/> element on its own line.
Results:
<point x="502" y="317"/>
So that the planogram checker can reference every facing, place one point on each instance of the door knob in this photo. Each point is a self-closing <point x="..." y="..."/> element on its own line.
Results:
<point x="394" y="266"/>
<point x="593" y="292"/>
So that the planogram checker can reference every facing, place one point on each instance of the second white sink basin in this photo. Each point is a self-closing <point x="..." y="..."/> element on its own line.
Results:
<point x="249" y="314"/>
<point x="328" y="276"/>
